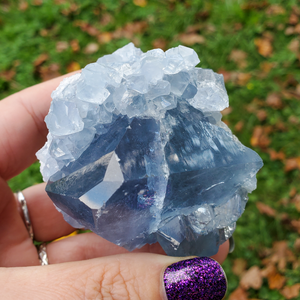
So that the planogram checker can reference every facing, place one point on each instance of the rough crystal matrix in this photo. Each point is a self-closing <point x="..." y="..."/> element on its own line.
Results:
<point x="137" y="152"/>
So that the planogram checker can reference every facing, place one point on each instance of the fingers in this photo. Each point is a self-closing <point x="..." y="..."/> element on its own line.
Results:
<point x="16" y="247"/>
<point x="48" y="224"/>
<point x="127" y="276"/>
<point x="22" y="128"/>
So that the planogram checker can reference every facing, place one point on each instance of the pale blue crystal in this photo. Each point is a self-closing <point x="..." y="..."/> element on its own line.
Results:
<point x="137" y="152"/>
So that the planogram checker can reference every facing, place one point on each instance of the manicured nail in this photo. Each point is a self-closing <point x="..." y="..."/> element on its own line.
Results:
<point x="197" y="278"/>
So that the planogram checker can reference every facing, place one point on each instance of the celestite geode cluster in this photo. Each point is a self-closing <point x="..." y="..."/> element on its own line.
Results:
<point x="137" y="152"/>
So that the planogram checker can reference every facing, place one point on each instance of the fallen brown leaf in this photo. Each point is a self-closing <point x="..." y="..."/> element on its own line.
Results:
<point x="226" y="74"/>
<point x="266" y="66"/>
<point x="239" y="57"/>
<point x="261" y="115"/>
<point x="91" y="48"/>
<point x="40" y="59"/>
<point x="239" y="266"/>
<point x="260" y="137"/>
<point x="106" y="19"/>
<point x="268" y="270"/>
<point x="73" y="66"/>
<point x="297" y="29"/>
<point x="104" y="37"/>
<point x="239" y="126"/>
<point x="75" y="45"/>
<point x="8" y="75"/>
<point x="292" y="192"/>
<point x="238" y="294"/>
<point x="265" y="209"/>
<point x="62" y="46"/>
<point x="276" y="155"/>
<point x="294" y="46"/>
<point x="289" y="30"/>
<point x="275" y="9"/>
<point x="23" y="5"/>
<point x="251" y="279"/>
<point x="141" y="3"/>
<point x="292" y="164"/>
<point x="49" y="72"/>
<point x="293" y="19"/>
<point x="296" y="225"/>
<point x="255" y="5"/>
<point x="70" y="9"/>
<point x="296" y="201"/>
<point x="264" y="46"/>
<point x="273" y="100"/>
<point x="37" y="2"/>
<point x="243" y="78"/>
<point x="276" y="281"/>
<point x="290" y="292"/>
<point x="297" y="245"/>
<point x="160" y="43"/>
<point x="191" y="39"/>
<point x="130" y="29"/>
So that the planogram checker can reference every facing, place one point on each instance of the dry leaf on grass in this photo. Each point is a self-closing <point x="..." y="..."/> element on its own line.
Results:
<point x="75" y="45"/>
<point x="297" y="245"/>
<point x="260" y="137"/>
<point x="276" y="155"/>
<point x="238" y="294"/>
<point x="293" y="19"/>
<point x="49" y="72"/>
<point x="91" y="48"/>
<point x="275" y="9"/>
<point x="239" y="266"/>
<point x="265" y="209"/>
<point x="40" y="59"/>
<point x="252" y="278"/>
<point x="290" y="292"/>
<point x="191" y="39"/>
<point x="160" y="43"/>
<point x="273" y="100"/>
<point x="296" y="225"/>
<point x="62" y="46"/>
<point x="239" y="57"/>
<point x="264" y="46"/>
<point x="239" y="126"/>
<point x="73" y="66"/>
<point x="292" y="164"/>
<point x="276" y="281"/>
<point x="8" y="75"/>
<point x="294" y="46"/>
<point x="104" y="37"/>
<point x="23" y="5"/>
<point x="141" y="3"/>
<point x="261" y="115"/>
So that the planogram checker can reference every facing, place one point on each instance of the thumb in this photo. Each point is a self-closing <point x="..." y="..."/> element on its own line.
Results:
<point x="141" y="276"/>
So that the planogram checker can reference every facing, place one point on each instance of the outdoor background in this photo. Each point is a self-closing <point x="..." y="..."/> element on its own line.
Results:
<point x="254" y="44"/>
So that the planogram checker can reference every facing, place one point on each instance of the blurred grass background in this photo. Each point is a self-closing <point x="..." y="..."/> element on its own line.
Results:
<point x="254" y="44"/>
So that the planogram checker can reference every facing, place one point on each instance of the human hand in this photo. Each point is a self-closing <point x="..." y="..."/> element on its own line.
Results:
<point x="84" y="266"/>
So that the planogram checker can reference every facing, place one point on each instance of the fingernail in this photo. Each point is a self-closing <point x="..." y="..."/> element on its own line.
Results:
<point x="197" y="278"/>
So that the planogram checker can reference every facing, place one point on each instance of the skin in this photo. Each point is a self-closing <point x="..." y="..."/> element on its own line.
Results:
<point x="84" y="266"/>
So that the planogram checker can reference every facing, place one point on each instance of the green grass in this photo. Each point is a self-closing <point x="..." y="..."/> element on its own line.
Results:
<point x="226" y="25"/>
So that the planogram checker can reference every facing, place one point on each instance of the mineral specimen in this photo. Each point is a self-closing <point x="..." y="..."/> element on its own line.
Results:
<point x="137" y="152"/>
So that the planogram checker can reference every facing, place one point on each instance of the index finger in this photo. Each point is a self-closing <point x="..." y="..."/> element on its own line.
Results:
<point x="22" y="128"/>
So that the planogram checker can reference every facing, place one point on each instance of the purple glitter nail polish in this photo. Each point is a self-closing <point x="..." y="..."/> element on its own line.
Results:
<point x="198" y="278"/>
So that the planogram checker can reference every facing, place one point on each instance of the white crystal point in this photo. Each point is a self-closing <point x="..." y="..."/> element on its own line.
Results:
<point x="63" y="118"/>
<point x="211" y="94"/>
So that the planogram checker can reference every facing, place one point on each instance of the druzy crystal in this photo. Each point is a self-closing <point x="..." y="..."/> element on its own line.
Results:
<point x="137" y="152"/>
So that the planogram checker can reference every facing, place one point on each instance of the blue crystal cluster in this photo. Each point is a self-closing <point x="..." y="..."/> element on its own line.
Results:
<point x="137" y="152"/>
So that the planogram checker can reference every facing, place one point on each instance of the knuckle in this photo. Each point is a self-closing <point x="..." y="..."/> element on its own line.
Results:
<point x="116" y="281"/>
